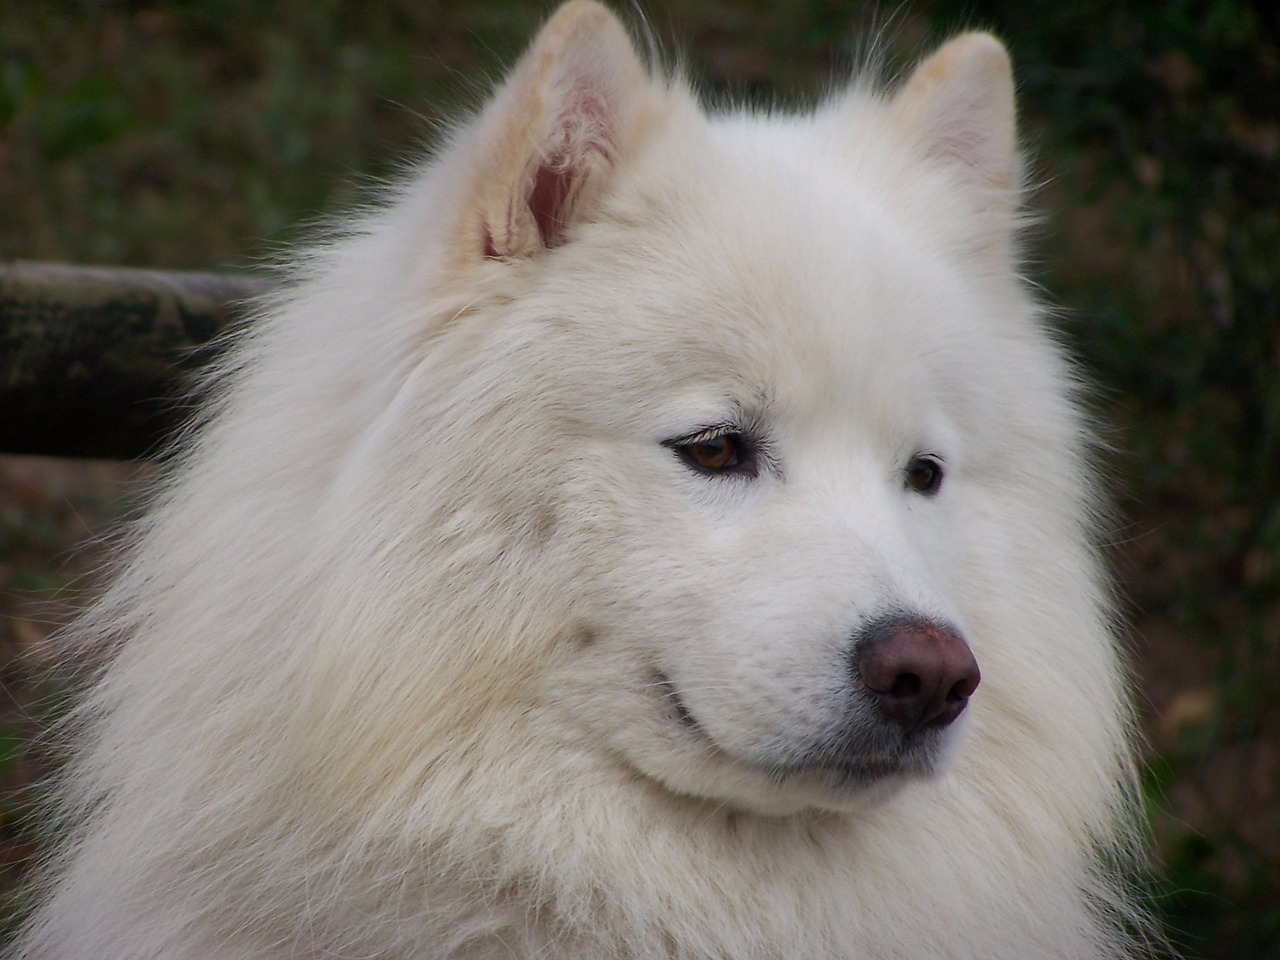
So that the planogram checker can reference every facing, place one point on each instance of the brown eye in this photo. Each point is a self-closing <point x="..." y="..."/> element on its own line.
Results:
<point x="714" y="454"/>
<point x="723" y="450"/>
<point x="924" y="475"/>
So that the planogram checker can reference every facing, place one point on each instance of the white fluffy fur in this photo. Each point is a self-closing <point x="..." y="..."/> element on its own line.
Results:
<point x="382" y="680"/>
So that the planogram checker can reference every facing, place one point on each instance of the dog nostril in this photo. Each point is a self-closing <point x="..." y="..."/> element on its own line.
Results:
<point x="963" y="688"/>
<point x="905" y="685"/>
<point x="921" y="674"/>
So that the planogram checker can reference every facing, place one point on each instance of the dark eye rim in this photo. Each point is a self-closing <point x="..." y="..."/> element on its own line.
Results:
<point x="744" y="463"/>
<point x="924" y="474"/>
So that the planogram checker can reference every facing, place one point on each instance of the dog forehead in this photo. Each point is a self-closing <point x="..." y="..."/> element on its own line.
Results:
<point x="776" y="251"/>
<point x="783" y="213"/>
<point x="760" y="259"/>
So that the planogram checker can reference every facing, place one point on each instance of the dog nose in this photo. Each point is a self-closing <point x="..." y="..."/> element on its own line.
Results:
<point x="921" y="673"/>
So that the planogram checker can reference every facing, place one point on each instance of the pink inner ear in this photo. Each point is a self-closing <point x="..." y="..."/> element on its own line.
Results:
<point x="548" y="198"/>
<point x="586" y="128"/>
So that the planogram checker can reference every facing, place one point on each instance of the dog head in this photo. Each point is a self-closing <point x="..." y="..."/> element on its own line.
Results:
<point x="714" y="397"/>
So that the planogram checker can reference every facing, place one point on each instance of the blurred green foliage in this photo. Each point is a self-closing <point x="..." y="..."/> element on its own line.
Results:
<point x="199" y="134"/>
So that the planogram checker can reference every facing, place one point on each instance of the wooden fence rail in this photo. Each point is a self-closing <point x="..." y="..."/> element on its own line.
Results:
<point x="92" y="359"/>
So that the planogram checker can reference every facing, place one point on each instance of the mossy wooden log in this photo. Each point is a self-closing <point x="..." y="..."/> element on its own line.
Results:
<point x="94" y="361"/>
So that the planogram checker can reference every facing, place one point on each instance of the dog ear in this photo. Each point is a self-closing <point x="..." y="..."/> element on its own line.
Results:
<point x="958" y="106"/>
<point x="546" y="144"/>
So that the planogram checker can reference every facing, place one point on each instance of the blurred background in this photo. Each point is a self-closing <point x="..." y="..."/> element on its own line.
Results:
<point x="209" y="133"/>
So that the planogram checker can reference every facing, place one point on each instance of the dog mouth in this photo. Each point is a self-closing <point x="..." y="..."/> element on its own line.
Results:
<point x="843" y="774"/>
<point x="826" y="763"/>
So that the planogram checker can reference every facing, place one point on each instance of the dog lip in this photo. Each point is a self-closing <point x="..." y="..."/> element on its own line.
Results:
<point x="869" y="772"/>
<point x="852" y="767"/>
<point x="848" y="773"/>
<point x="671" y="695"/>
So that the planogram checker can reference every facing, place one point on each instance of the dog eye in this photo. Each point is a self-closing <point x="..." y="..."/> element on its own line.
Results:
<point x="718" y="451"/>
<point x="714" y="454"/>
<point x="924" y="475"/>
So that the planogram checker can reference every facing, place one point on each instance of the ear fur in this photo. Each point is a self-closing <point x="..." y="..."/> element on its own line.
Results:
<point x="958" y="106"/>
<point x="547" y="143"/>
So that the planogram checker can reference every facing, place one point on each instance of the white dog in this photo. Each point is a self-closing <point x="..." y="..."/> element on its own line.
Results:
<point x="650" y="535"/>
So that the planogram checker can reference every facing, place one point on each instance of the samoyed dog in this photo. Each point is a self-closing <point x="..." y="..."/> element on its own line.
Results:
<point x="651" y="534"/>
